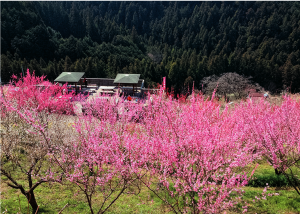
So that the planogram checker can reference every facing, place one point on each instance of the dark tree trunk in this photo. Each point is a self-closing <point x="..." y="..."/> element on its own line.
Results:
<point x="277" y="172"/>
<point x="31" y="199"/>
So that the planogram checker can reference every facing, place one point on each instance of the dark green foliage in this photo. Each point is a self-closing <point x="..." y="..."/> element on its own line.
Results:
<point x="271" y="180"/>
<point x="178" y="40"/>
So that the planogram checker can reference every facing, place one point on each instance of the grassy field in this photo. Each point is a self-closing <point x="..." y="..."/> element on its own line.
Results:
<point x="53" y="197"/>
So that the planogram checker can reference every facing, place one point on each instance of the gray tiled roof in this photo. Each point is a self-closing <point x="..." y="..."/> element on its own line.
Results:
<point x="69" y="77"/>
<point x="127" y="78"/>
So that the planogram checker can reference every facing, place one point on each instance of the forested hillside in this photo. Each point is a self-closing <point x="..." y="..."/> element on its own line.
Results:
<point x="184" y="41"/>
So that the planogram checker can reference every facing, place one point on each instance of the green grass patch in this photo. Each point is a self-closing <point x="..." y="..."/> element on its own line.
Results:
<point x="53" y="197"/>
<point x="288" y="201"/>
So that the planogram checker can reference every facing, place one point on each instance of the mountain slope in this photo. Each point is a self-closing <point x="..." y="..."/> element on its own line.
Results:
<point x="184" y="41"/>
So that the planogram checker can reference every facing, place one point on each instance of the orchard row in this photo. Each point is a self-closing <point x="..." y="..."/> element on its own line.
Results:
<point x="193" y="152"/>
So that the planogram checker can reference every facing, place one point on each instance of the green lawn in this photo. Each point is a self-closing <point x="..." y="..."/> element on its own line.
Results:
<point x="53" y="197"/>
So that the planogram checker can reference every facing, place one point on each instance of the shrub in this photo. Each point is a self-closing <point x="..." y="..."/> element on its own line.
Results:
<point x="272" y="180"/>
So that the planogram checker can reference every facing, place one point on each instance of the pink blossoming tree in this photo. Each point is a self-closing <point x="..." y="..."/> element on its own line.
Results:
<point x="272" y="132"/>
<point x="29" y="128"/>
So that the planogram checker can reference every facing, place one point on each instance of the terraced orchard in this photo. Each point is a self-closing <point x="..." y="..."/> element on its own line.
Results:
<point x="160" y="155"/>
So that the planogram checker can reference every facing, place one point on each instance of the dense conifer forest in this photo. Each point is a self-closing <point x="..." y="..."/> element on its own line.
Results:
<point x="184" y="41"/>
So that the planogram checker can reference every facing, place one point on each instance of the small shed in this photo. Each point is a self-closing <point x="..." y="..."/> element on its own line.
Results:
<point x="127" y="80"/>
<point x="70" y="77"/>
<point x="256" y="96"/>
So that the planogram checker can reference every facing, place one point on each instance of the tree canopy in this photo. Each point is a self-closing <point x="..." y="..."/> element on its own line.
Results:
<point x="184" y="41"/>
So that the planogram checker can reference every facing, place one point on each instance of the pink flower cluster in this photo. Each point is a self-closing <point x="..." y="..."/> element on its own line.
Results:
<point x="192" y="151"/>
<point x="36" y="93"/>
<point x="264" y="194"/>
